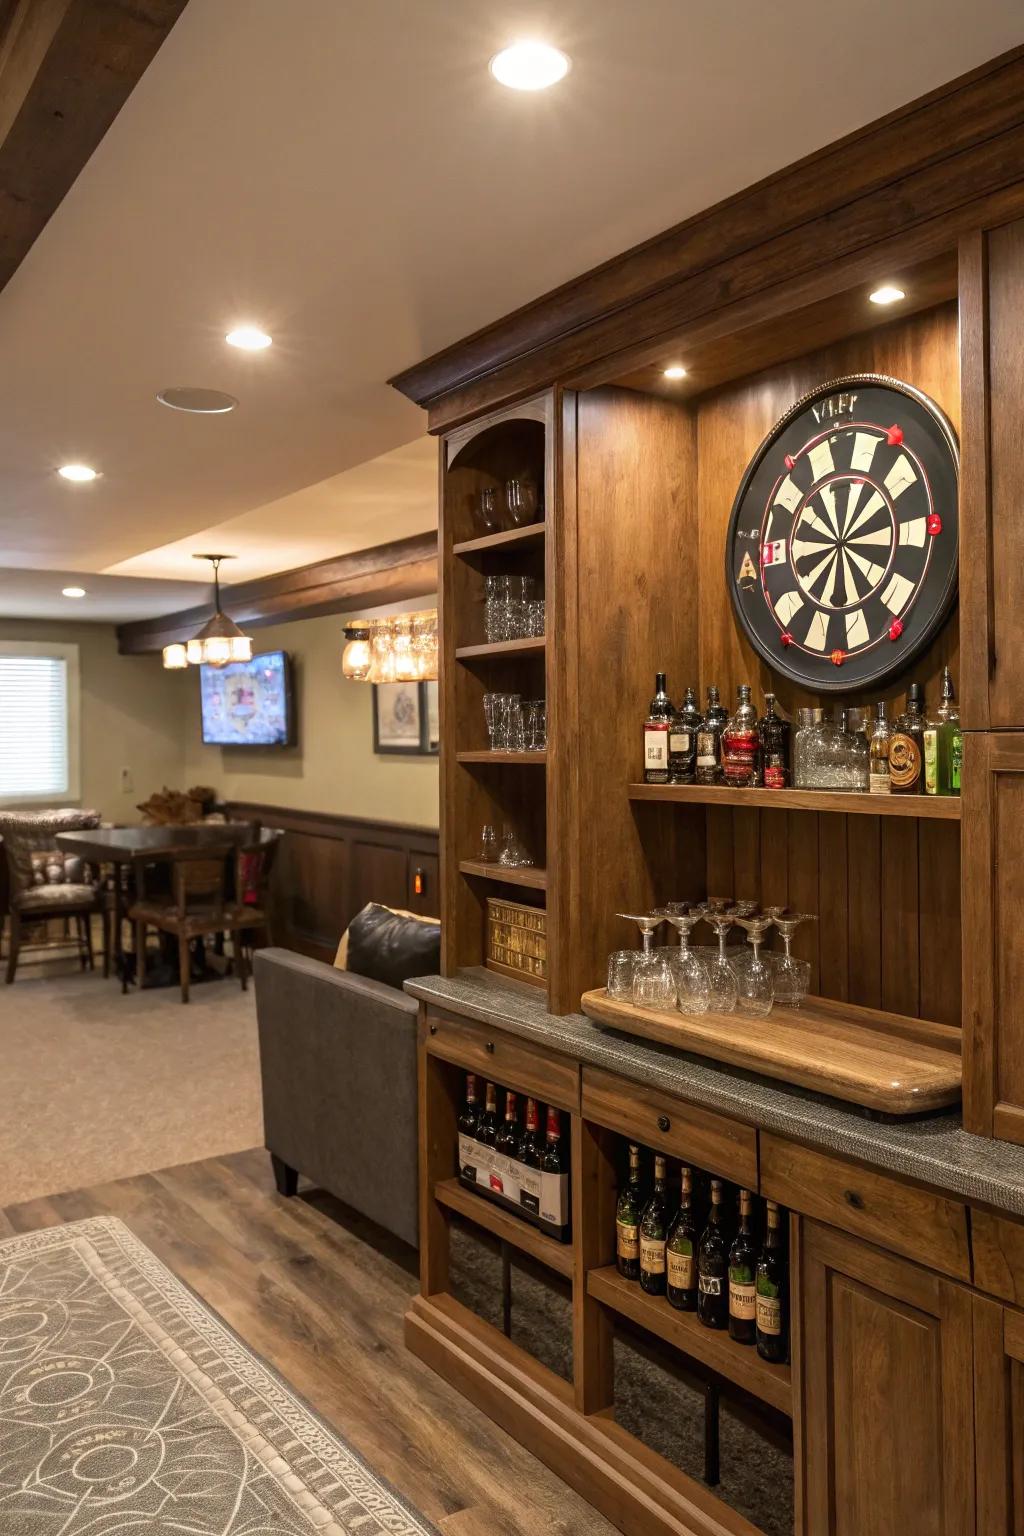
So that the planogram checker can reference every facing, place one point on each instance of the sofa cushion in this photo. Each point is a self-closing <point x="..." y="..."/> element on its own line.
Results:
<point x="390" y="946"/>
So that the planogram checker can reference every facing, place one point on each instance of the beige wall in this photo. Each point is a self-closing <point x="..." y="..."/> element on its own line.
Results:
<point x="131" y="716"/>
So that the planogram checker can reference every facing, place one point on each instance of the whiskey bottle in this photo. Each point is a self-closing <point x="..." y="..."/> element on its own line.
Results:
<point x="773" y="736"/>
<point x="878" y="753"/>
<point x="470" y="1112"/>
<point x="713" y="1265"/>
<point x="682" y="741"/>
<point x="742" y="1276"/>
<point x="657" y="728"/>
<point x="627" y="1221"/>
<point x="741" y="754"/>
<point x="554" y="1159"/>
<point x="906" y="746"/>
<point x="938" y="741"/>
<point x="531" y="1150"/>
<point x="487" y="1125"/>
<point x="653" y="1225"/>
<point x="708" y="769"/>
<point x="772" y="1292"/>
<point x="681" y="1250"/>
<point x="507" y="1140"/>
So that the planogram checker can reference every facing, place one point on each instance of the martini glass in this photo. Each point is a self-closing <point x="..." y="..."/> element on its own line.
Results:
<point x="792" y="975"/>
<point x="653" y="983"/>
<point x="722" y="998"/>
<point x="693" y="984"/>
<point x="754" y="976"/>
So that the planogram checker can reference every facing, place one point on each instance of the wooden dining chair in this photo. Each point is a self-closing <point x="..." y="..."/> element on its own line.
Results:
<point x="198" y="906"/>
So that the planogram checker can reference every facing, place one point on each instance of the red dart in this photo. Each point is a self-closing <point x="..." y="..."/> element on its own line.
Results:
<point x="895" y="629"/>
<point x="894" y="436"/>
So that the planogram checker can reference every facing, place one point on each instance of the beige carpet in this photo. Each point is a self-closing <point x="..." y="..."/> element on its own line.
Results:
<point x="95" y="1086"/>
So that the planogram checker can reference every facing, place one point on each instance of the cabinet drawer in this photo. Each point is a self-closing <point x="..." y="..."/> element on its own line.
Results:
<point x="901" y="1217"/>
<point x="504" y="1059"/>
<point x="655" y="1119"/>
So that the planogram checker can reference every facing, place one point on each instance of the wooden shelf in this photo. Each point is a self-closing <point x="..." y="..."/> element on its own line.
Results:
<point x="931" y="807"/>
<point x="533" y="645"/>
<point x="536" y="879"/>
<point x="501" y="757"/>
<point x="509" y="536"/>
<point x="738" y="1363"/>
<point x="881" y="1061"/>
<point x="503" y="1225"/>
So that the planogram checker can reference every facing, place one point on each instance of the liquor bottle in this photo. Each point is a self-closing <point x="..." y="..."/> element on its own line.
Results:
<point x="682" y="741"/>
<point x="657" y="727"/>
<point x="713" y="1265"/>
<point x="956" y="756"/>
<point x="938" y="741"/>
<point x="653" y="1228"/>
<point x="708" y="768"/>
<point x="773" y="735"/>
<point x="470" y="1112"/>
<point x="507" y="1140"/>
<point x="681" y="1250"/>
<point x="742" y="1276"/>
<point x="741" y="754"/>
<point x="772" y="1292"/>
<point x="906" y="746"/>
<point x="878" y="753"/>
<point x="627" y="1221"/>
<point x="554" y="1159"/>
<point x="531" y="1149"/>
<point x="487" y="1125"/>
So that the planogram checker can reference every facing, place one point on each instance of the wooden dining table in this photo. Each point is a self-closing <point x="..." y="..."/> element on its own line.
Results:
<point x="132" y="846"/>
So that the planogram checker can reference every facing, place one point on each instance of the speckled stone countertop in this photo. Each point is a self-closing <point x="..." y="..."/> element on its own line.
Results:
<point x="934" y="1149"/>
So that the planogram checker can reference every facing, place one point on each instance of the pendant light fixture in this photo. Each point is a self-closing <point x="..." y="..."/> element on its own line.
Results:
<point x="219" y="641"/>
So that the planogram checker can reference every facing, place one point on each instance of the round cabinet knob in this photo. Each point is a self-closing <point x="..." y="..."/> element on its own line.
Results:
<point x="490" y="1047"/>
<point x="852" y="1198"/>
<point x="664" y="1123"/>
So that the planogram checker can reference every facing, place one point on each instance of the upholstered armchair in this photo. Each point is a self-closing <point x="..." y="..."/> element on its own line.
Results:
<point x="45" y="883"/>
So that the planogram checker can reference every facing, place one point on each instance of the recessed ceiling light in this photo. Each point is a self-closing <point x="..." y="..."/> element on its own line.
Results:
<point x="72" y="591"/>
<point x="530" y="66"/>
<point x="80" y="472"/>
<point x="200" y="402"/>
<point x="249" y="337"/>
<point x="675" y="371"/>
<point x="887" y="294"/>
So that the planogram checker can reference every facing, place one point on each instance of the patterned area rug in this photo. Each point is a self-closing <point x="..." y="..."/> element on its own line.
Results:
<point x="127" y="1406"/>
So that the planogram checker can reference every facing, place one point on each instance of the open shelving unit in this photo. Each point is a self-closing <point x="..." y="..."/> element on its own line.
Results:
<point x="930" y="807"/>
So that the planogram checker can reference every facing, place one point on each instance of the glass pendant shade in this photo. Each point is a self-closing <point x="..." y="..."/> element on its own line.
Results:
<point x="218" y="642"/>
<point x="406" y="664"/>
<point x="402" y="649"/>
<point x="175" y="657"/>
<point x="355" y="658"/>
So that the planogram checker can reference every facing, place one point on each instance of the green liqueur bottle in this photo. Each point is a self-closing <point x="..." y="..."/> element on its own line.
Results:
<point x="713" y="1265"/>
<point x="943" y="737"/>
<point x="772" y="1292"/>
<point x="681" y="1250"/>
<point x="742" y="1276"/>
<point x="653" y="1226"/>
<point x="627" y="1221"/>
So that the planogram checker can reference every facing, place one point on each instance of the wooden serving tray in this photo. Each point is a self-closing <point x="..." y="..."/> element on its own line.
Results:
<point x="881" y="1061"/>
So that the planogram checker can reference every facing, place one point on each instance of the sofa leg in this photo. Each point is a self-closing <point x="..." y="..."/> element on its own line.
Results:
<point x="285" y="1177"/>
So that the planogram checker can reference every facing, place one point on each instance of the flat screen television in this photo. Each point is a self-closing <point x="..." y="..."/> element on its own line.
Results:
<point x="247" y="703"/>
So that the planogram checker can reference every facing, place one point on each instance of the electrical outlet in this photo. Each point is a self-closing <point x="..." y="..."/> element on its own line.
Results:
<point x="127" y="782"/>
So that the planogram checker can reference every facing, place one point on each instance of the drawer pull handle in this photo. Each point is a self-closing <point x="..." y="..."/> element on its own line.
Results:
<point x="490" y="1046"/>
<point x="664" y="1123"/>
<point x="433" y="1029"/>
<point x="852" y="1198"/>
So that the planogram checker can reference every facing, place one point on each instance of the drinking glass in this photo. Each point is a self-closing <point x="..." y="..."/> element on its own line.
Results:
<point x="521" y="501"/>
<point x="513" y="855"/>
<point x="535" y="727"/>
<point x="723" y="995"/>
<point x="492" y="609"/>
<point x="486" y="513"/>
<point x="653" y="983"/>
<point x="693" y="984"/>
<point x="491" y="718"/>
<point x="514" y="733"/>
<point x="535" y="617"/>
<point x="621" y="965"/>
<point x="792" y="976"/>
<point x="488" y="844"/>
<point x="755" y="978"/>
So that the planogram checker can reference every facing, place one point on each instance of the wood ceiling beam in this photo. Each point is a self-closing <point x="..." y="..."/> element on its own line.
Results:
<point x="389" y="573"/>
<point x="66" y="69"/>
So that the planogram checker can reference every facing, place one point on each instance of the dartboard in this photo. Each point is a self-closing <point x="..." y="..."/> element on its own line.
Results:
<point x="841" y="555"/>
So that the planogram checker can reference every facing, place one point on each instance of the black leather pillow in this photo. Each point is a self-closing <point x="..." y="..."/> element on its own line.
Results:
<point x="389" y="947"/>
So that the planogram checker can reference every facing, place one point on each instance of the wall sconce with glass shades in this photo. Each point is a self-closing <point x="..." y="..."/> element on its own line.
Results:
<point x="219" y="641"/>
<point x="399" y="649"/>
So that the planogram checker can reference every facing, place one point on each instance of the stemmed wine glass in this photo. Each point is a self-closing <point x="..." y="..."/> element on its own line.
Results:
<point x="755" y="981"/>
<point x="693" y="984"/>
<point x="653" y="983"/>
<point x="792" y="975"/>
<point x="721" y="975"/>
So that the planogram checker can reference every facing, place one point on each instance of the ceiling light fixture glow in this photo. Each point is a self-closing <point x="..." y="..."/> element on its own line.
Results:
<point x="887" y="294"/>
<point x="249" y="338"/>
<point x="197" y="402"/>
<point x="72" y="591"/>
<point x="675" y="371"/>
<point x="77" y="472"/>
<point x="530" y="66"/>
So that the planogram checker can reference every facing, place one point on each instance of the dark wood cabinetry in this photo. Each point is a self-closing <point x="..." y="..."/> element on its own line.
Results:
<point x="999" y="1417"/>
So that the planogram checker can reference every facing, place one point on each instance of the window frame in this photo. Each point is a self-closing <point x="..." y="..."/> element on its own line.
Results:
<point x="68" y="653"/>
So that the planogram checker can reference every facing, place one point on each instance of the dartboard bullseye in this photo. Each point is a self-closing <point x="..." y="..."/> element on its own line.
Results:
<point x="841" y="555"/>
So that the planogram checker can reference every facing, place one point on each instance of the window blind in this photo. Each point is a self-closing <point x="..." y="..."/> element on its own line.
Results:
<point x="33" y="726"/>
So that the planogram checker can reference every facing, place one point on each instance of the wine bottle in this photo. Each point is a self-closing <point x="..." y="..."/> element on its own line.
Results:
<point x="627" y="1221"/>
<point x="773" y="1292"/>
<point x="653" y="1224"/>
<point x="681" y="1250"/>
<point x="470" y="1112"/>
<point x="742" y="1276"/>
<point x="656" y="734"/>
<point x="507" y="1140"/>
<point x="713" y="1264"/>
<point x="531" y="1149"/>
<point x="554" y="1160"/>
<point x="487" y="1125"/>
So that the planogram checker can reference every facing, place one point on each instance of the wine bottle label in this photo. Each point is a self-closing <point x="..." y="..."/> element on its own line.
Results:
<point x="904" y="761"/>
<point x="742" y="1300"/>
<point x="652" y="1255"/>
<point x="655" y="749"/>
<point x="710" y="1285"/>
<point x="931" y="762"/>
<point x="679" y="741"/>
<point x="707" y="757"/>
<point x="774" y="775"/>
<point x="879" y="782"/>
<point x="769" y="1315"/>
<point x="680" y="1270"/>
<point x="956" y="758"/>
<point x="627" y="1241"/>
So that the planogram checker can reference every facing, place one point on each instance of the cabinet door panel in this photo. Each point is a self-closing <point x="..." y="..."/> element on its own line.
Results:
<point x="999" y="1417"/>
<point x="887" y="1353"/>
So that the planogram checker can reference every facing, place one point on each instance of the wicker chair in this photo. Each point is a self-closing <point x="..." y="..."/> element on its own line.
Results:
<point x="44" y="883"/>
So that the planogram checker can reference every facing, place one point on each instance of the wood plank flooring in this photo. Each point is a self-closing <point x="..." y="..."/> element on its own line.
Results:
<point x="320" y="1294"/>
